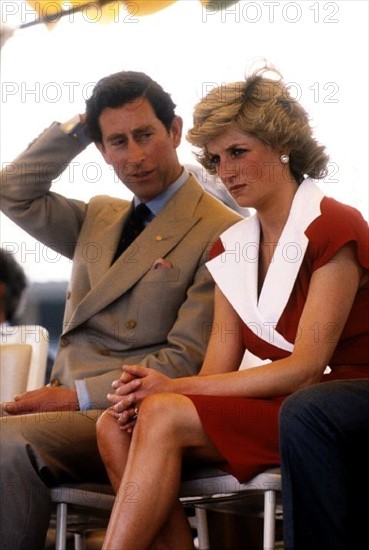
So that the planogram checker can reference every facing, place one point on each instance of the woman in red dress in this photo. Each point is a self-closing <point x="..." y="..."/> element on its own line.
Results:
<point x="291" y="310"/>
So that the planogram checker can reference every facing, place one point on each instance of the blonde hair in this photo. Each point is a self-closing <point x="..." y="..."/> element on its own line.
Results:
<point x="263" y="107"/>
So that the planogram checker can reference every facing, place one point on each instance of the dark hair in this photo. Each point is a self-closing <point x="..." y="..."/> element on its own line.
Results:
<point x="124" y="87"/>
<point x="15" y="283"/>
<point x="264" y="108"/>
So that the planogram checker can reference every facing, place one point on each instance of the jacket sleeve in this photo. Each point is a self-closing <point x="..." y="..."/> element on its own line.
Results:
<point x="25" y="191"/>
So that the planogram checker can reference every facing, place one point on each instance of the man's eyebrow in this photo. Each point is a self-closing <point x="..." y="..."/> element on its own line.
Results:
<point x="116" y="135"/>
<point x="136" y="132"/>
<point x="142" y="129"/>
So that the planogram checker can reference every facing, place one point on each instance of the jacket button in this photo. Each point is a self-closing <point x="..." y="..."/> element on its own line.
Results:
<point x="68" y="295"/>
<point x="130" y="324"/>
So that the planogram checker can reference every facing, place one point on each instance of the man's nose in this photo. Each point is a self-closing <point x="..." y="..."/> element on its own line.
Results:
<point x="135" y="152"/>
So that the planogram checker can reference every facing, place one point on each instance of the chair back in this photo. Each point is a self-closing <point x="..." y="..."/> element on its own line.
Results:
<point x="15" y="360"/>
<point x="17" y="343"/>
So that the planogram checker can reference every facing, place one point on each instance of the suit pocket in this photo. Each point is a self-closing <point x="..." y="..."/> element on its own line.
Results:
<point x="162" y="275"/>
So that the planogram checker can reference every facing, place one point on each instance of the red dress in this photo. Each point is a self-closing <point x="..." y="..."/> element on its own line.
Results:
<point x="244" y="430"/>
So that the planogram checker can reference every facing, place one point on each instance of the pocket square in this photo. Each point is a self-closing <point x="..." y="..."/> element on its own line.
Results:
<point x="160" y="263"/>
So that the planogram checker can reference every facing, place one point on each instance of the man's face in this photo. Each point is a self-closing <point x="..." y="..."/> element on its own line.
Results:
<point x="140" y="148"/>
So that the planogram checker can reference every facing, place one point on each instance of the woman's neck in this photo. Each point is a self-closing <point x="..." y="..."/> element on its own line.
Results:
<point x="273" y="217"/>
<point x="272" y="222"/>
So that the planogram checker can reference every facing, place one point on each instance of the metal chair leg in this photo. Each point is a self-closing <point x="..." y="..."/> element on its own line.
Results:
<point x="61" y="526"/>
<point x="79" y="541"/>
<point x="202" y="529"/>
<point x="270" y="503"/>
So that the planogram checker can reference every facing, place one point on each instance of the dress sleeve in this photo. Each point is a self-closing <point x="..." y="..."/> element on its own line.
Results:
<point x="338" y="225"/>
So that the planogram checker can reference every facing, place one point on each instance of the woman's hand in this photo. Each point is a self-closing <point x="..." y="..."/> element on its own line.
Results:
<point x="136" y="383"/>
<point x="122" y="380"/>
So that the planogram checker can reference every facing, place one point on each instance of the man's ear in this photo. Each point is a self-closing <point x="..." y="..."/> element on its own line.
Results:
<point x="176" y="130"/>
<point x="102" y="150"/>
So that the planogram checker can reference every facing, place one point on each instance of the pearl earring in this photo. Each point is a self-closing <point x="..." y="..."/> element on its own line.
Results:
<point x="284" y="159"/>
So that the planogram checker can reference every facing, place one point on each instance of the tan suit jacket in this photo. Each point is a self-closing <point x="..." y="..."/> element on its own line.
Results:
<point x="127" y="312"/>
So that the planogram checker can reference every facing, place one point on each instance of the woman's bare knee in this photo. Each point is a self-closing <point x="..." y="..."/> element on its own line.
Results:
<point x="170" y="418"/>
<point x="107" y="430"/>
<point x="105" y="422"/>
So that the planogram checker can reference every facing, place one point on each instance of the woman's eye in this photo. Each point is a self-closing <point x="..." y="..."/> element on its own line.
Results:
<point x="237" y="152"/>
<point x="214" y="160"/>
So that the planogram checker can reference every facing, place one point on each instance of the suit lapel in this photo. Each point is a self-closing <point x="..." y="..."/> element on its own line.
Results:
<point x="167" y="229"/>
<point x="99" y="253"/>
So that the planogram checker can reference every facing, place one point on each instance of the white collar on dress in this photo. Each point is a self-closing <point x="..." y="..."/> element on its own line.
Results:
<point x="235" y="271"/>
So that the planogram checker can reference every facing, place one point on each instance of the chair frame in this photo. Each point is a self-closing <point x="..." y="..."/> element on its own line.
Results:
<point x="203" y="489"/>
<point x="80" y="508"/>
<point x="213" y="487"/>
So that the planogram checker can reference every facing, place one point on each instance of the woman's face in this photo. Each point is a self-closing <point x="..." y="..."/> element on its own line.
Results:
<point x="250" y="170"/>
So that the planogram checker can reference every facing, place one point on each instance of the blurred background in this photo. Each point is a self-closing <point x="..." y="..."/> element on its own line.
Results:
<point x="188" y="46"/>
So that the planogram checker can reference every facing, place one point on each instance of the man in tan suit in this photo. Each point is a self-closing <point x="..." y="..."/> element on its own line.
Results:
<point x="151" y="303"/>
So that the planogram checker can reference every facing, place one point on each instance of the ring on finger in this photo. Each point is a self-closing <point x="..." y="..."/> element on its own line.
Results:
<point x="135" y="415"/>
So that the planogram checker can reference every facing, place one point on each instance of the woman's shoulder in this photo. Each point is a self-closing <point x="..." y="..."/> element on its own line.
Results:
<point x="337" y="219"/>
<point x="331" y="208"/>
<point x="338" y="225"/>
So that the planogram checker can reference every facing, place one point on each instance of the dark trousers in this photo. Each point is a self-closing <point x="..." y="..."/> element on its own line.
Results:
<point x="324" y="431"/>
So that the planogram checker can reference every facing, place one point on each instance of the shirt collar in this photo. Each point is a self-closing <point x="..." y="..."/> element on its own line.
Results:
<point x="161" y="200"/>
